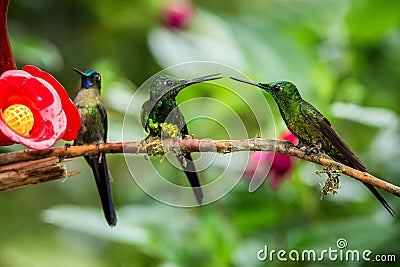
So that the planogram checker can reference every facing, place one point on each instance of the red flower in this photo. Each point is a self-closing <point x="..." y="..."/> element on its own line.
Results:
<point x="177" y="14"/>
<point x="35" y="109"/>
<point x="278" y="166"/>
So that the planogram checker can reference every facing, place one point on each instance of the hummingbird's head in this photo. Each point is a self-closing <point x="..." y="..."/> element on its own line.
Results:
<point x="164" y="84"/>
<point x="90" y="79"/>
<point x="282" y="90"/>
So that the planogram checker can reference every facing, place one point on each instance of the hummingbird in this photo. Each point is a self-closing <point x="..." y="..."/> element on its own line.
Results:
<point x="162" y="118"/>
<point x="94" y="131"/>
<point x="313" y="130"/>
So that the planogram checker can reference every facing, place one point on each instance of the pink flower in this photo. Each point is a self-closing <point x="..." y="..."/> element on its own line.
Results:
<point x="276" y="166"/>
<point x="177" y="14"/>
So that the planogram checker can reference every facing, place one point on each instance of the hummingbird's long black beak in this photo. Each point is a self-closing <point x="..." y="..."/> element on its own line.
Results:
<point x="80" y="72"/>
<point x="247" y="81"/>
<point x="204" y="78"/>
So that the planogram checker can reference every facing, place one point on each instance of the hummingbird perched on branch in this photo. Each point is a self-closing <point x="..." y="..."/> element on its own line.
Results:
<point x="162" y="118"/>
<point x="94" y="131"/>
<point x="312" y="129"/>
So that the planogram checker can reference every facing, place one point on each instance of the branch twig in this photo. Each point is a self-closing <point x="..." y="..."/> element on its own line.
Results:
<point x="19" y="174"/>
<point x="156" y="147"/>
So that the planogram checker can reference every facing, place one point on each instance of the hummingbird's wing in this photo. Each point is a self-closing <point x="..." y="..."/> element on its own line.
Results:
<point x="323" y="126"/>
<point x="144" y="113"/>
<point x="186" y="161"/>
<point x="346" y="156"/>
<point x="103" y="114"/>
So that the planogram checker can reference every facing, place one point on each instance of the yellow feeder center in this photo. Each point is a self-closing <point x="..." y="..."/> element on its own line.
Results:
<point x="19" y="118"/>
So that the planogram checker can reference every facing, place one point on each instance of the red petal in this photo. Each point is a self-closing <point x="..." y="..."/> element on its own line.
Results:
<point x="287" y="135"/>
<point x="20" y="87"/>
<point x="72" y="114"/>
<point x="282" y="164"/>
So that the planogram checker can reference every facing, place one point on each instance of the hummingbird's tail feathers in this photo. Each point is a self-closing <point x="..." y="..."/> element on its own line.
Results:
<point x="347" y="157"/>
<point x="186" y="162"/>
<point x="380" y="199"/>
<point x="102" y="177"/>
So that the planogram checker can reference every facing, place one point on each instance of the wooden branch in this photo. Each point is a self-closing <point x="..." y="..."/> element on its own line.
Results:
<point x="16" y="175"/>
<point x="157" y="147"/>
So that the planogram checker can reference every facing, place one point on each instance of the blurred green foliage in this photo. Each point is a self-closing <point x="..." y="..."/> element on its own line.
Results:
<point x="343" y="55"/>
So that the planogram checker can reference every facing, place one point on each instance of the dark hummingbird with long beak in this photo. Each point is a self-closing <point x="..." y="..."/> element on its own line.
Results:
<point x="94" y="131"/>
<point x="162" y="118"/>
<point x="312" y="129"/>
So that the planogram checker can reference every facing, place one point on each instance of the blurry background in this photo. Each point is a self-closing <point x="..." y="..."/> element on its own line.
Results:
<point x="343" y="55"/>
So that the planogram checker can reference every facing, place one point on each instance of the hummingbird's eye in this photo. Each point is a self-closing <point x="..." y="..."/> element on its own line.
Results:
<point x="97" y="78"/>
<point x="169" y="82"/>
<point x="277" y="87"/>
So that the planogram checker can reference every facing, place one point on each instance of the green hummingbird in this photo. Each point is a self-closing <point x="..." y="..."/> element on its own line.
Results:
<point x="162" y="118"/>
<point x="94" y="131"/>
<point x="312" y="129"/>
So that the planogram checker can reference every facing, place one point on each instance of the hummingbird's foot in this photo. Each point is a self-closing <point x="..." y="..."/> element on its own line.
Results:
<point x="257" y="136"/>
<point x="67" y="145"/>
<point x="98" y="144"/>
<point x="301" y="146"/>
<point x="188" y="136"/>
<point x="64" y="155"/>
<point x="310" y="150"/>
<point x="333" y="171"/>
<point x="101" y="154"/>
<point x="254" y="139"/>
